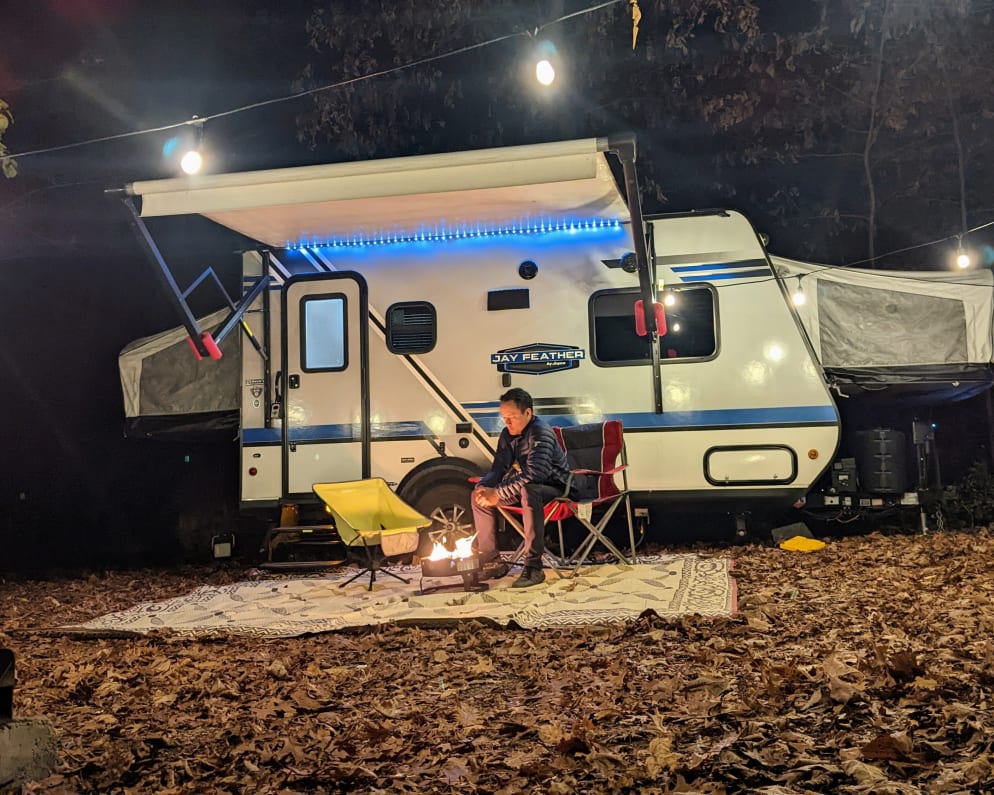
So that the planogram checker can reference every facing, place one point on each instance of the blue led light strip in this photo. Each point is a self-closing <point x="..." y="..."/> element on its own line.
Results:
<point x="464" y="232"/>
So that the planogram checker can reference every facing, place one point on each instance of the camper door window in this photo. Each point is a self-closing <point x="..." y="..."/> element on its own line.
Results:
<point x="690" y="334"/>
<point x="323" y="333"/>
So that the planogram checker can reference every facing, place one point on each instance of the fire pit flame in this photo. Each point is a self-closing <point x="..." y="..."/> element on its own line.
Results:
<point x="452" y="555"/>
<point x="464" y="549"/>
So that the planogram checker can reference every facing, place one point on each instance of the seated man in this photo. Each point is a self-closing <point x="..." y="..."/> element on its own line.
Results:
<point x="529" y="469"/>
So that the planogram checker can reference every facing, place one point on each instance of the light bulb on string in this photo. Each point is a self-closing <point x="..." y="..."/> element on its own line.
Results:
<point x="962" y="258"/>
<point x="546" y="63"/>
<point x="799" y="298"/>
<point x="545" y="72"/>
<point x="193" y="160"/>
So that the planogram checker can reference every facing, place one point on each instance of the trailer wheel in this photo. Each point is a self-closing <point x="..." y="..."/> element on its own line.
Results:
<point x="442" y="493"/>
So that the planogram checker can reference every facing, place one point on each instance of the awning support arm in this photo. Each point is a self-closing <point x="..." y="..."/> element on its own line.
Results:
<point x="202" y="342"/>
<point x="623" y="146"/>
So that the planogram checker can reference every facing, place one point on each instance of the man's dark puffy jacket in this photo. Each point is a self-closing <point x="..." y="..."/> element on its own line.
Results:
<point x="538" y="457"/>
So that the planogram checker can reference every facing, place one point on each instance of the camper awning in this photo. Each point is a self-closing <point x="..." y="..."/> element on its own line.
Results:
<point x="401" y="198"/>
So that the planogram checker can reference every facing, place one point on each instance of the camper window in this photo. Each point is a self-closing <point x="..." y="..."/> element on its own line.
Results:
<point x="323" y="335"/>
<point x="690" y="332"/>
<point x="411" y="327"/>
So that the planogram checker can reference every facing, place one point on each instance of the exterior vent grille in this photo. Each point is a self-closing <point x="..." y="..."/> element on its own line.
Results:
<point x="411" y="327"/>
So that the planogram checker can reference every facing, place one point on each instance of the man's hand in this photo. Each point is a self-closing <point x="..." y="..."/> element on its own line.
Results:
<point x="485" y="497"/>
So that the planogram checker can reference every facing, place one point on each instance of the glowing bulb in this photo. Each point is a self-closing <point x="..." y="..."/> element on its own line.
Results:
<point x="669" y="299"/>
<point x="963" y="259"/>
<point x="675" y="327"/>
<point x="191" y="162"/>
<point x="799" y="298"/>
<point x="545" y="72"/>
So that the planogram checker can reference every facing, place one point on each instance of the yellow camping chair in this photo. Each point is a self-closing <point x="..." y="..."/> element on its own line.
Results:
<point x="368" y="514"/>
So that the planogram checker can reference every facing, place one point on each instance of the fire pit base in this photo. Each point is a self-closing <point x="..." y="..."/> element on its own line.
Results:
<point x="468" y="585"/>
<point x="467" y="568"/>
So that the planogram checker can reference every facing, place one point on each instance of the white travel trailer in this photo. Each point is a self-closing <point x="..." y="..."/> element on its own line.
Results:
<point x="389" y="303"/>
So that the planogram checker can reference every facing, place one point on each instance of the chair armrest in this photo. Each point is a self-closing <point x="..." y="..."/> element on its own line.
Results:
<point x="612" y="471"/>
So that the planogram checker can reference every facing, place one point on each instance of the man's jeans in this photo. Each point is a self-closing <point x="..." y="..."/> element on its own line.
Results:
<point x="532" y="498"/>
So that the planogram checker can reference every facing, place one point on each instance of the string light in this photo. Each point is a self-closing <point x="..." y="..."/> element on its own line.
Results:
<point x="193" y="160"/>
<point x="962" y="258"/>
<point x="547" y="58"/>
<point x="464" y="232"/>
<point x="799" y="298"/>
<point x="545" y="72"/>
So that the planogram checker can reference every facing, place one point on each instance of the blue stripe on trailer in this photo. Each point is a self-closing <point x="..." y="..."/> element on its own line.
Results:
<point x="340" y="432"/>
<point x="714" y="277"/>
<point x="716" y="266"/>
<point x="778" y="415"/>
<point x="633" y="421"/>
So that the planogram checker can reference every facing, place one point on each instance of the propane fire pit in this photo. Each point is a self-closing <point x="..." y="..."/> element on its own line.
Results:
<point x="452" y="554"/>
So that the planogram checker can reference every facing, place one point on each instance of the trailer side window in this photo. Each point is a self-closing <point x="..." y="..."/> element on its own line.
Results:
<point x="411" y="327"/>
<point x="324" y="337"/>
<point x="690" y="332"/>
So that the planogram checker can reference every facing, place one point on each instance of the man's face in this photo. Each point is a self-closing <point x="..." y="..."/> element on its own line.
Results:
<point x="514" y="418"/>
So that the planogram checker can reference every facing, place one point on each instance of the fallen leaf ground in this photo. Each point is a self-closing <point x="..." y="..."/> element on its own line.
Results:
<point x="866" y="667"/>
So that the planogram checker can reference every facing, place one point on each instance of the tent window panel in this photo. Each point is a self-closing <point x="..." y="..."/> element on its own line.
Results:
<point x="324" y="336"/>
<point x="691" y="327"/>
<point x="868" y="327"/>
<point x="412" y="327"/>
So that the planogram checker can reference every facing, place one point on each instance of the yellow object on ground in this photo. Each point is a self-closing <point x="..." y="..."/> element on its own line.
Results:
<point x="802" y="544"/>
<point x="367" y="512"/>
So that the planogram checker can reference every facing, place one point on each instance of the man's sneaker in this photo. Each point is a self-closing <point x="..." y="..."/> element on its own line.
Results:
<point x="529" y="577"/>
<point x="493" y="569"/>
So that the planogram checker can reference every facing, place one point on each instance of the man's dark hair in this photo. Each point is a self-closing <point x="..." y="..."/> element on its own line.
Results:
<point x="519" y="398"/>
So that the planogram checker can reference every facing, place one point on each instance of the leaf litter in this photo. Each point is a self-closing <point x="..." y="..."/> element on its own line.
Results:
<point x="867" y="667"/>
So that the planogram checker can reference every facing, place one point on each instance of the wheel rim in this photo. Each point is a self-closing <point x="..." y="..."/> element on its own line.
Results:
<point x="450" y="521"/>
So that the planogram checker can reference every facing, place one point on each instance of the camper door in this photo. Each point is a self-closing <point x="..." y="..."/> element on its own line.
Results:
<point x="325" y="381"/>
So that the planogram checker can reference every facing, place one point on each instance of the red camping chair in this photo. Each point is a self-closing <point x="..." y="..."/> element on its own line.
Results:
<point x="595" y="450"/>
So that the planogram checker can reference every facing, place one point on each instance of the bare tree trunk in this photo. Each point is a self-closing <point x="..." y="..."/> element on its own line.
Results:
<point x="959" y="159"/>
<point x="871" y="138"/>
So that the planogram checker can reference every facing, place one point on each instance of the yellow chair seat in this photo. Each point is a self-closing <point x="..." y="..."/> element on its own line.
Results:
<point x="368" y="513"/>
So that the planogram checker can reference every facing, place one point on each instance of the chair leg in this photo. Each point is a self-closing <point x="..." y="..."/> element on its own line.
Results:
<point x="553" y="562"/>
<point x="631" y="529"/>
<point x="395" y="576"/>
<point x="596" y="533"/>
<point x="371" y="566"/>
<point x="520" y="551"/>
<point x="355" y="577"/>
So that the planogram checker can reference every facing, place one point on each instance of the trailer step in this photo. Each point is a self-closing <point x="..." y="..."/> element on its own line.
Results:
<point x="303" y="537"/>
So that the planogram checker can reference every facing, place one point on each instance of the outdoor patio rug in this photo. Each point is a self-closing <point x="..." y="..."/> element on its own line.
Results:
<point x="284" y="606"/>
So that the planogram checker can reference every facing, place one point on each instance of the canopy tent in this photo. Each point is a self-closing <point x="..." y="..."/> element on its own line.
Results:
<point x="920" y="332"/>
<point x="401" y="198"/>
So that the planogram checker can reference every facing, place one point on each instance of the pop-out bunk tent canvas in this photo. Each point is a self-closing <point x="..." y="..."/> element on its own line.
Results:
<point x="168" y="391"/>
<point x="926" y="334"/>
